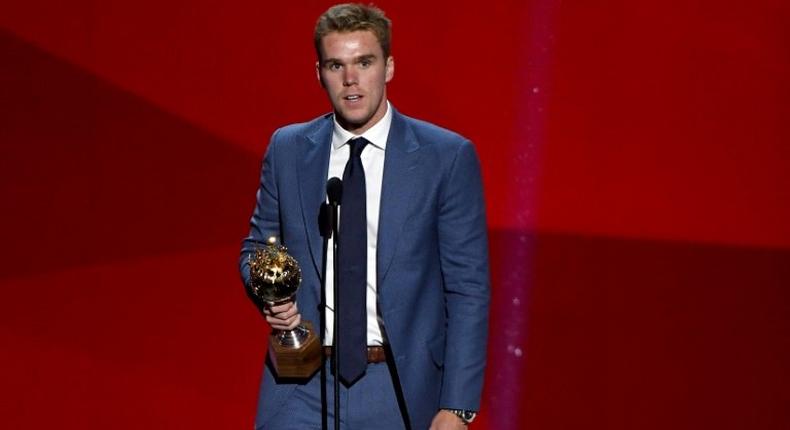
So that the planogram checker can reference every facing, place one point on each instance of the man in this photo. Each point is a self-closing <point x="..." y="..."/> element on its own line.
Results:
<point x="423" y="257"/>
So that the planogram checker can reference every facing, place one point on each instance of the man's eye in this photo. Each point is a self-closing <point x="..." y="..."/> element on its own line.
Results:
<point x="365" y="63"/>
<point x="334" y="66"/>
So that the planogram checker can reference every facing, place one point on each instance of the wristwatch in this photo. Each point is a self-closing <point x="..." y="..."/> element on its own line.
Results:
<point x="466" y="416"/>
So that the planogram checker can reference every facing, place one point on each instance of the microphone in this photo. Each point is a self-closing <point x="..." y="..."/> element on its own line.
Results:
<point x="327" y="215"/>
<point x="334" y="191"/>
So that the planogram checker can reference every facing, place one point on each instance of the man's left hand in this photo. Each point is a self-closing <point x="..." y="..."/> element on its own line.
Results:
<point x="445" y="420"/>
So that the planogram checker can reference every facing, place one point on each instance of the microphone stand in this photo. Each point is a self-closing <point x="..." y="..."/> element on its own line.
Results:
<point x="335" y="341"/>
<point x="329" y="227"/>
<point x="325" y="226"/>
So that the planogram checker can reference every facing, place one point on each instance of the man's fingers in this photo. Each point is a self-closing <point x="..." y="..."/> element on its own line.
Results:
<point x="282" y="317"/>
<point x="290" y="306"/>
<point x="287" y="313"/>
<point x="297" y="319"/>
<point x="288" y="323"/>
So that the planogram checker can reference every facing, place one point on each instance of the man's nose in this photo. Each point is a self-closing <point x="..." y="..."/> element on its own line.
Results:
<point x="350" y="77"/>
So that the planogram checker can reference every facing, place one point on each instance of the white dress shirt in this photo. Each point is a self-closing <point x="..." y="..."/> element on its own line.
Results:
<point x="373" y="163"/>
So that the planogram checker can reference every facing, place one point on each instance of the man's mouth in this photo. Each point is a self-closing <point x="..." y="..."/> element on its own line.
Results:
<point x="353" y="97"/>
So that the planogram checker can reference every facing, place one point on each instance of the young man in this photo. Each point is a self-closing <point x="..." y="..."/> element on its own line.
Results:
<point x="413" y="205"/>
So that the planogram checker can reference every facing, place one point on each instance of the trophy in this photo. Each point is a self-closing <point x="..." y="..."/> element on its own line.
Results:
<point x="274" y="278"/>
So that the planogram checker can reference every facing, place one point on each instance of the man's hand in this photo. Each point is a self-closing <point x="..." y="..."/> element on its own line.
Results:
<point x="445" y="420"/>
<point x="283" y="317"/>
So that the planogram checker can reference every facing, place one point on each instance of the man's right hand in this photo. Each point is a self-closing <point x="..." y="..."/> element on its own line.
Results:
<point x="283" y="317"/>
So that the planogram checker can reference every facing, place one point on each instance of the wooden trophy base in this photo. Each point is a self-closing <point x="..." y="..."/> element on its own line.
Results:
<point x="302" y="362"/>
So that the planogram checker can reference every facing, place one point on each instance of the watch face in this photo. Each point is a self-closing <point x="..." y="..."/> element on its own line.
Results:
<point x="468" y="416"/>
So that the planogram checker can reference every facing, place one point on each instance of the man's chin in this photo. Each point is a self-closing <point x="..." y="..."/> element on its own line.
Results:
<point x="351" y="123"/>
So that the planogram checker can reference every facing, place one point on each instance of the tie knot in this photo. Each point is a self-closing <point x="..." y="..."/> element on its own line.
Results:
<point x="356" y="146"/>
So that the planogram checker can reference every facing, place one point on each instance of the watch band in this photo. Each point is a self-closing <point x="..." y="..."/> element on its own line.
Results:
<point x="466" y="416"/>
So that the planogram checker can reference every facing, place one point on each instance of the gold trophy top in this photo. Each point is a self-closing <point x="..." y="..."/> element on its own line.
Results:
<point x="274" y="274"/>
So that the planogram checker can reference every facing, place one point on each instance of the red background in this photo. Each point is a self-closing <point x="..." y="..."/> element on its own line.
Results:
<point x="635" y="157"/>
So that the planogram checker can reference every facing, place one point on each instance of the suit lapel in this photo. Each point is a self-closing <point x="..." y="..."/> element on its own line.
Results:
<point x="311" y="175"/>
<point x="398" y="185"/>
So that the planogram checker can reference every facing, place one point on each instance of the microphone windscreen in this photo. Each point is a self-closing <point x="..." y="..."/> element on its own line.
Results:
<point x="334" y="191"/>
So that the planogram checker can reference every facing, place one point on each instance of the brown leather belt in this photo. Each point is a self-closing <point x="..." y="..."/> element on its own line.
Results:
<point x="376" y="354"/>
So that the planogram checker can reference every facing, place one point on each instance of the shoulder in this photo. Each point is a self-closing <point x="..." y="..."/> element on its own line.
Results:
<point x="440" y="146"/>
<point x="301" y="130"/>
<point x="431" y="134"/>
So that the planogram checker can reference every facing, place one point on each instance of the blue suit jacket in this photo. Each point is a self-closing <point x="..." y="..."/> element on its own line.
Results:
<point x="432" y="254"/>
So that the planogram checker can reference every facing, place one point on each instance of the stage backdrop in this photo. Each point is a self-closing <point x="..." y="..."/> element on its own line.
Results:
<point x="635" y="158"/>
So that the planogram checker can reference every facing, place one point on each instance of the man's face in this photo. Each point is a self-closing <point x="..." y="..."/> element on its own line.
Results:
<point x="354" y="73"/>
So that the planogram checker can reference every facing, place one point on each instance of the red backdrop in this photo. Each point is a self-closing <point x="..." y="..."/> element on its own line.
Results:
<point x="635" y="157"/>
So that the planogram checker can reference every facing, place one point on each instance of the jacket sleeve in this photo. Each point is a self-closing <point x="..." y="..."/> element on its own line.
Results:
<point x="463" y="247"/>
<point x="265" y="221"/>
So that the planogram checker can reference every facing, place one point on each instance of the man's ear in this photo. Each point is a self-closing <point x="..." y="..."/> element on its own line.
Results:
<point x="318" y="74"/>
<point x="389" y="72"/>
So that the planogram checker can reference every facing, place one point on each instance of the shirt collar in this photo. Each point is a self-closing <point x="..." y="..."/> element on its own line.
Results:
<point x="376" y="135"/>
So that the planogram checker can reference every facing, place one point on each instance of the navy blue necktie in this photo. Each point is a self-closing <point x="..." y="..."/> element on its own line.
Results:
<point x="353" y="264"/>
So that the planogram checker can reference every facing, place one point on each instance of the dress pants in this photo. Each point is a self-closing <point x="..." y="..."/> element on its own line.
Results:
<point x="370" y="403"/>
